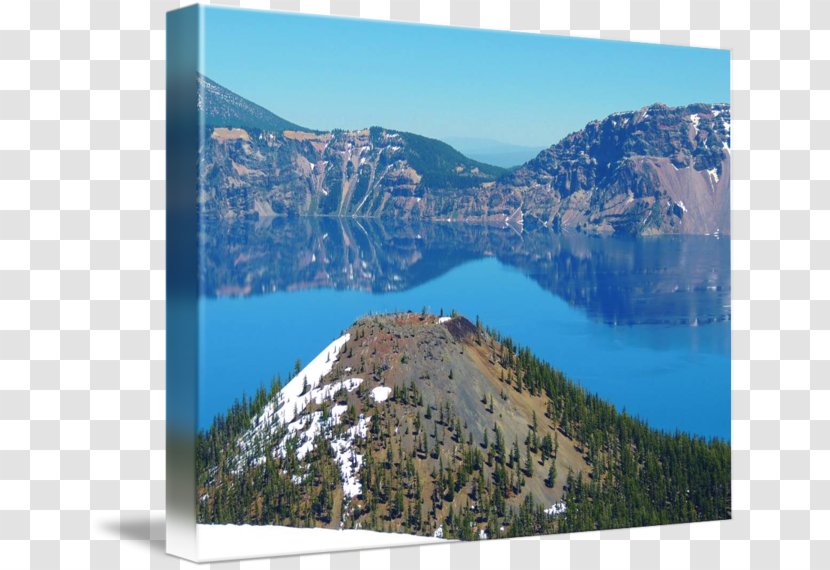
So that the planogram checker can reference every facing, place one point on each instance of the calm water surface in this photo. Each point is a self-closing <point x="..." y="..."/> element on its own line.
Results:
<point x="645" y="329"/>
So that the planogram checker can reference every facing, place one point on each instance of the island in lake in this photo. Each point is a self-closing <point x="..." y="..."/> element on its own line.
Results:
<point x="438" y="426"/>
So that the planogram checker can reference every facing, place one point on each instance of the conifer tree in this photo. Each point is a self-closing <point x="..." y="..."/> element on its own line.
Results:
<point x="551" y="479"/>
<point x="528" y="462"/>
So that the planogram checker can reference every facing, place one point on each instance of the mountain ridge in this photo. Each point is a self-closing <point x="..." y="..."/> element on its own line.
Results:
<point x="491" y="151"/>
<point x="655" y="170"/>
<point x="224" y="108"/>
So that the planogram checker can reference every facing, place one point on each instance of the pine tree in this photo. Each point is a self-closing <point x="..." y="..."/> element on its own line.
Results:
<point x="514" y="453"/>
<point x="546" y="447"/>
<point x="528" y="462"/>
<point x="397" y="505"/>
<point x="551" y="479"/>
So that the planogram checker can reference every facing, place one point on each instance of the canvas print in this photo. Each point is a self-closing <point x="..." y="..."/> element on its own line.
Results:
<point x="445" y="284"/>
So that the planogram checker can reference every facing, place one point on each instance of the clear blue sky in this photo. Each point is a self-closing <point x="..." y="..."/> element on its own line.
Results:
<point x="527" y="89"/>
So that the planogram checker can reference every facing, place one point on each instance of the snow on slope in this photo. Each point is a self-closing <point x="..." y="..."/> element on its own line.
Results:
<point x="349" y="461"/>
<point x="312" y="424"/>
<point x="556" y="508"/>
<point x="291" y="400"/>
<point x="381" y="393"/>
<point x="291" y="395"/>
<point x="288" y="410"/>
<point x="695" y="118"/>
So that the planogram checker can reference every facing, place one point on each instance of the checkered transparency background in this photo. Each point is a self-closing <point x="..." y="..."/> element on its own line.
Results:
<point x="82" y="284"/>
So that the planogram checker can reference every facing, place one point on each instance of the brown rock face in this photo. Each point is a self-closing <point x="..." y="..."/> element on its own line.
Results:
<point x="656" y="170"/>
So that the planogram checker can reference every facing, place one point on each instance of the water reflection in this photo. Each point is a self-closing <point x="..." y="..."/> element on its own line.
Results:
<point x="617" y="280"/>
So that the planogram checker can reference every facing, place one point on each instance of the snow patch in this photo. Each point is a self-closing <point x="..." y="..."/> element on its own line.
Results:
<point x="309" y="426"/>
<point x="349" y="461"/>
<point x="682" y="206"/>
<point x="291" y="396"/>
<point x="381" y="393"/>
<point x="713" y="172"/>
<point x="556" y="509"/>
<point x="442" y="320"/>
<point x="695" y="118"/>
<point x="439" y="532"/>
<point x="287" y="410"/>
<point x="338" y="411"/>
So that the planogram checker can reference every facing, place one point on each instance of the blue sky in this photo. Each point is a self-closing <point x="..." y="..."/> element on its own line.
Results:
<point x="526" y="89"/>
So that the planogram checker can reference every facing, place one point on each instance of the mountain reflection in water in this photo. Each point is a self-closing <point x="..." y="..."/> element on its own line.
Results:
<point x="616" y="280"/>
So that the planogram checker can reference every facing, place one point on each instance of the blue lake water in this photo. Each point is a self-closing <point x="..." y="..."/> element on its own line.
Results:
<point x="673" y="375"/>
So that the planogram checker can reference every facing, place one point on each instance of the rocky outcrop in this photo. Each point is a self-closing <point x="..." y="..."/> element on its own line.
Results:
<point x="651" y="171"/>
<point x="657" y="170"/>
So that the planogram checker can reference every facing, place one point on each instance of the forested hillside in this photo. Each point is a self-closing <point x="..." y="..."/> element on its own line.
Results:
<point x="437" y="426"/>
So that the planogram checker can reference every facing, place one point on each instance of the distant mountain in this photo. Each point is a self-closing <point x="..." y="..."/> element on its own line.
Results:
<point x="256" y="164"/>
<point x="500" y="153"/>
<point x="656" y="170"/>
<point x="653" y="171"/>
<point x="371" y="172"/>
<point x="435" y="426"/>
<point x="224" y="108"/>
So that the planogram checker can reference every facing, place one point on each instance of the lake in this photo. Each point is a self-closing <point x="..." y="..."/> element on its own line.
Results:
<point x="642" y="322"/>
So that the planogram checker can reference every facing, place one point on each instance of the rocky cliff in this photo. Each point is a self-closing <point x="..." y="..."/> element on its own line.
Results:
<point x="657" y="170"/>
